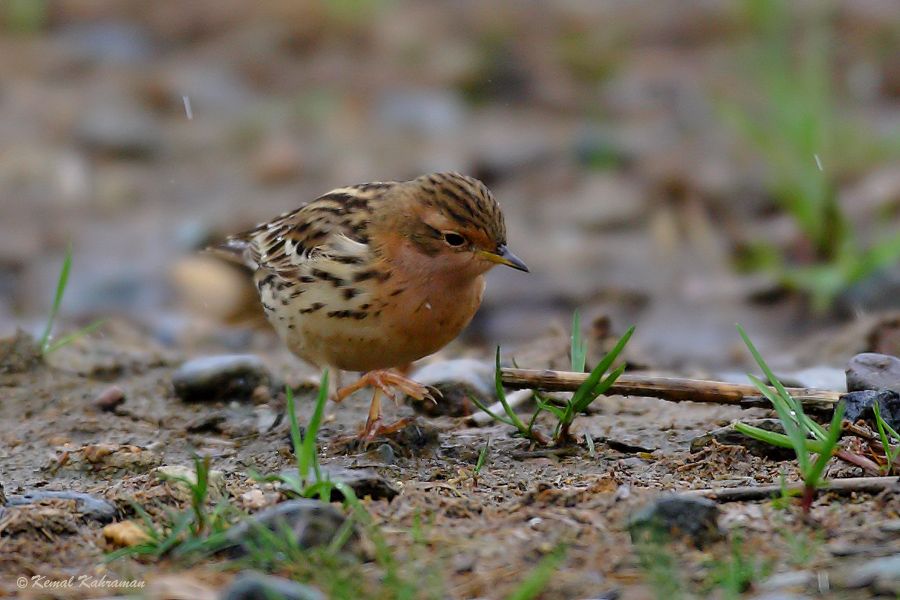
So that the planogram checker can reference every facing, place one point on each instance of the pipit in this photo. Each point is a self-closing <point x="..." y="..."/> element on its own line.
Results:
<point x="375" y="276"/>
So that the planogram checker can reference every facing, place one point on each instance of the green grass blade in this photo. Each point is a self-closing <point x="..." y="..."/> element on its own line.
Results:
<point x="774" y="438"/>
<point x="309" y="458"/>
<point x="601" y="389"/>
<point x="61" y="284"/>
<point x="762" y="364"/>
<point x="482" y="457"/>
<point x="579" y="348"/>
<point x="296" y="438"/>
<point x="793" y="430"/>
<point x="813" y="476"/>
<point x="71" y="337"/>
<point x="585" y="389"/>
<point x="493" y="415"/>
<point x="501" y="396"/>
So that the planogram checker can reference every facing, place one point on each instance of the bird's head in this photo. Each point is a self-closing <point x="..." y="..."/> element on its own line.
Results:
<point x="456" y="226"/>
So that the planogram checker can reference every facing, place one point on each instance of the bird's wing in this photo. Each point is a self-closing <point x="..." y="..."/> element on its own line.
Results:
<point x="331" y="231"/>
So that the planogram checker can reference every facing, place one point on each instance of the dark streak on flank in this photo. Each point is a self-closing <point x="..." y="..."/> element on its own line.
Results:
<point x="348" y="314"/>
<point x="349" y="293"/>
<point x="312" y="308"/>
<point x="326" y="276"/>
<point x="347" y="260"/>
<point x="371" y="274"/>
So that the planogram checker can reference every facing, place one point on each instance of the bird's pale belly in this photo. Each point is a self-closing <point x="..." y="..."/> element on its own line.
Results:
<point x="409" y="330"/>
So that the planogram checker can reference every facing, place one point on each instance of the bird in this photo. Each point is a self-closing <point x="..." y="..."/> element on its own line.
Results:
<point x="372" y="277"/>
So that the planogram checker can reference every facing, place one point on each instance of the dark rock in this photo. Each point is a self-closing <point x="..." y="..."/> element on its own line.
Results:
<point x="214" y="378"/>
<point x="363" y="482"/>
<point x="19" y="353"/>
<point x="695" y="519"/>
<point x="253" y="585"/>
<point x="110" y="399"/>
<point x="729" y="436"/>
<point x="872" y="371"/>
<point x="91" y="507"/>
<point x="310" y="522"/>
<point x="859" y="406"/>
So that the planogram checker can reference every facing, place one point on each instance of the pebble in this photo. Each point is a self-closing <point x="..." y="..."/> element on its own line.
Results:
<point x="253" y="585"/>
<point x="183" y="476"/>
<point x="695" y="519"/>
<point x="859" y="406"/>
<point x="114" y="457"/>
<point x="312" y="523"/>
<point x="110" y="399"/>
<point x="873" y="371"/>
<point x="125" y="534"/>
<point x="91" y="507"/>
<point x="729" y="436"/>
<point x="220" y="378"/>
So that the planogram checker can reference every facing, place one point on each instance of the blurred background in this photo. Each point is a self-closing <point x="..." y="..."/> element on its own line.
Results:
<point x="677" y="165"/>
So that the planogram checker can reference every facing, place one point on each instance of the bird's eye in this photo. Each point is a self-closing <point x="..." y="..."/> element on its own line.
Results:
<point x="454" y="239"/>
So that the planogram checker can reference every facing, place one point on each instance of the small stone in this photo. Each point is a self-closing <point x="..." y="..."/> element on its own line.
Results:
<point x="110" y="399"/>
<point x="220" y="378"/>
<point x="257" y="499"/>
<point x="209" y="286"/>
<point x="310" y="522"/>
<point x="183" y="477"/>
<point x="252" y="585"/>
<point x="729" y="436"/>
<point x="386" y="454"/>
<point x="873" y="371"/>
<point x="90" y="507"/>
<point x="859" y="406"/>
<point x="695" y="519"/>
<point x="114" y="457"/>
<point x="125" y="534"/>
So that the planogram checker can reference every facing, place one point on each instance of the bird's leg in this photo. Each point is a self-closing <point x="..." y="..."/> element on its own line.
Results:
<point x="374" y="417"/>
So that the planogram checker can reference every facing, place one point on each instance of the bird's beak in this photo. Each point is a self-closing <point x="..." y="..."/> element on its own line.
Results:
<point x="504" y="257"/>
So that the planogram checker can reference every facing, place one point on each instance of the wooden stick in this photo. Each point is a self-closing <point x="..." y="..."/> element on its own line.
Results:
<point x="674" y="389"/>
<point x="838" y="486"/>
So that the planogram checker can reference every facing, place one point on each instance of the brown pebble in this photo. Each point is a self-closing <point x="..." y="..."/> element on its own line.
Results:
<point x="125" y="533"/>
<point x="110" y="399"/>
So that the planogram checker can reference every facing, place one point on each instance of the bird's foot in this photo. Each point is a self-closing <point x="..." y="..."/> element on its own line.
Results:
<point x="375" y="428"/>
<point x="389" y="382"/>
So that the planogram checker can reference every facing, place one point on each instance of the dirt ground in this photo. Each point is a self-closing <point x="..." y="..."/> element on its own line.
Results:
<point x="136" y="135"/>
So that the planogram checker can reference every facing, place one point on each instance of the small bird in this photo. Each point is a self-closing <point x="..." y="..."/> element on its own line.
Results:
<point x="374" y="276"/>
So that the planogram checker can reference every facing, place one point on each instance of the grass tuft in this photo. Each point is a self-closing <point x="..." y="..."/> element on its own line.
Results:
<point x="46" y="344"/>
<point x="598" y="383"/>
<point x="813" y="444"/>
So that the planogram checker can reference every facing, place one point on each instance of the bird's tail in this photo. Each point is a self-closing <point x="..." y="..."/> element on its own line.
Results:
<point x="234" y="249"/>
